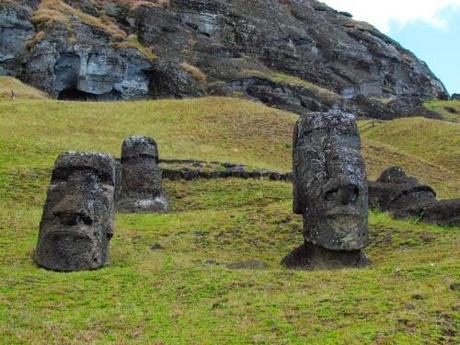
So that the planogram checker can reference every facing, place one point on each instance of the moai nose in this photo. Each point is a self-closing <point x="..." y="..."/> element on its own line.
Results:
<point x="73" y="210"/>
<point x="348" y="194"/>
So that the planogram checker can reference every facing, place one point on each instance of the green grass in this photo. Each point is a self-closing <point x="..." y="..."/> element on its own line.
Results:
<point x="183" y="293"/>
<point x="450" y="110"/>
<point x="168" y="281"/>
<point x="428" y="149"/>
<point x="33" y="133"/>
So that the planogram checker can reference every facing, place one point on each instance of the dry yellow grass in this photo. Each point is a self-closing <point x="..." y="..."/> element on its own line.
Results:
<point x="194" y="71"/>
<point x="59" y="11"/>
<point x="21" y="90"/>
<point x="132" y="41"/>
<point x="279" y="77"/>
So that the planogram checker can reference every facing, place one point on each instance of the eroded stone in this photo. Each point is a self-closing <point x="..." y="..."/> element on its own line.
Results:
<point x="330" y="188"/>
<point x="399" y="194"/>
<point x="77" y="222"/>
<point x="141" y="189"/>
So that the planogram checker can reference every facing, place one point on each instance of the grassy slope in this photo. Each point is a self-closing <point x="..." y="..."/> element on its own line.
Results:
<point x="449" y="109"/>
<point x="428" y="149"/>
<point x="183" y="293"/>
<point x="21" y="90"/>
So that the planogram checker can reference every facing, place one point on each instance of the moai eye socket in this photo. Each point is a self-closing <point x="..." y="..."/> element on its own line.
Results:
<point x="331" y="195"/>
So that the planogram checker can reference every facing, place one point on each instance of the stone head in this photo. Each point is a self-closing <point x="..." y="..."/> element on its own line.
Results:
<point x="330" y="183"/>
<point x="77" y="222"/>
<point x="141" y="172"/>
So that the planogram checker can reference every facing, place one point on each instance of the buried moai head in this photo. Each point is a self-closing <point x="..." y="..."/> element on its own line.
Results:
<point x="401" y="195"/>
<point x="77" y="221"/>
<point x="330" y="184"/>
<point x="141" y="189"/>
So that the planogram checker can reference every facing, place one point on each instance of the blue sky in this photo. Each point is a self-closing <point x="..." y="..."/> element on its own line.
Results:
<point x="429" y="28"/>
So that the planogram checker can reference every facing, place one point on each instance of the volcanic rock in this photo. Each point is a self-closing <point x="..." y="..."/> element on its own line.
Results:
<point x="298" y="55"/>
<point x="330" y="187"/>
<point x="399" y="194"/>
<point x="77" y="222"/>
<point x="141" y="189"/>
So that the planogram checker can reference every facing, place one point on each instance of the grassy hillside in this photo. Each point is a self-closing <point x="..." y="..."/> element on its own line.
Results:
<point x="21" y="90"/>
<point x="173" y="278"/>
<point x="33" y="133"/>
<point x="428" y="149"/>
<point x="449" y="109"/>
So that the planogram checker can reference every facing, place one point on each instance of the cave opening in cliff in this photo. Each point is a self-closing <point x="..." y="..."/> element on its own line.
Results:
<point x="73" y="94"/>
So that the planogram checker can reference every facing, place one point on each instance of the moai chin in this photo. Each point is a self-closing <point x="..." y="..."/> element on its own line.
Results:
<point x="77" y="221"/>
<point x="141" y="187"/>
<point x="330" y="190"/>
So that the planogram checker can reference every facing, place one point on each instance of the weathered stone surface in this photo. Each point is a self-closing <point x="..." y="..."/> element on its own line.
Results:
<point x="401" y="195"/>
<point x="309" y="256"/>
<point x="89" y="72"/>
<point x="298" y="55"/>
<point x="77" y="222"/>
<point x="445" y="213"/>
<point x="330" y="186"/>
<point x="193" y="169"/>
<point x="141" y="189"/>
<point x="15" y="30"/>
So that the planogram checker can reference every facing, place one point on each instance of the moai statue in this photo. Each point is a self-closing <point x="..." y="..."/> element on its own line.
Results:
<point x="77" y="221"/>
<point x="401" y="195"/>
<point x="330" y="191"/>
<point x="141" y="189"/>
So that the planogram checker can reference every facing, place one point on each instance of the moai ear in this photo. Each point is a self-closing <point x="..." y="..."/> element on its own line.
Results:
<point x="298" y="188"/>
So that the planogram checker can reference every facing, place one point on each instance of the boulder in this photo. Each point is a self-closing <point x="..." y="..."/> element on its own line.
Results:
<point x="141" y="187"/>
<point x="77" y="221"/>
<point x="444" y="213"/>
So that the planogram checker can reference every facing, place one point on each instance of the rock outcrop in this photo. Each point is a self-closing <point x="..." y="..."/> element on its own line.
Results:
<point x="299" y="55"/>
<point x="330" y="189"/>
<point x="77" y="222"/>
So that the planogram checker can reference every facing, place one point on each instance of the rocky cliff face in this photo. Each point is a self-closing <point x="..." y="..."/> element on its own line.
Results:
<point x="298" y="55"/>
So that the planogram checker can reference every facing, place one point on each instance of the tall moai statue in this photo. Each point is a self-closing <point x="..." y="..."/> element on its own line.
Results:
<point x="77" y="221"/>
<point x="141" y="186"/>
<point x="330" y="191"/>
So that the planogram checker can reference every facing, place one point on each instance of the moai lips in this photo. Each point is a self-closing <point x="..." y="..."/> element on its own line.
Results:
<point x="141" y="189"/>
<point x="330" y="184"/>
<point x="77" y="221"/>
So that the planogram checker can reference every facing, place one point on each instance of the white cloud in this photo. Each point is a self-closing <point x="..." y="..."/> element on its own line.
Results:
<point x="385" y="14"/>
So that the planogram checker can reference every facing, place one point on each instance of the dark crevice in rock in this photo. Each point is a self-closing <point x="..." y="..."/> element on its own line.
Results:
<point x="73" y="94"/>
